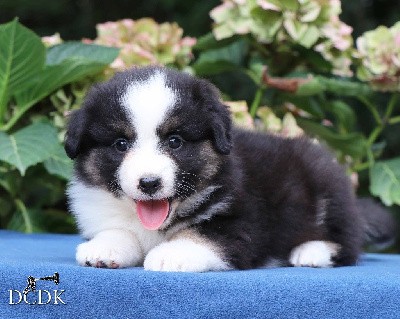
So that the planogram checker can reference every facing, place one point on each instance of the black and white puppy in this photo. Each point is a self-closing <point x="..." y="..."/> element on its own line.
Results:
<point x="163" y="180"/>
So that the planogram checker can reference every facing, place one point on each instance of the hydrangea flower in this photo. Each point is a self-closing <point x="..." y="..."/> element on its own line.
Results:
<point x="240" y="114"/>
<point x="52" y="40"/>
<point x="286" y="127"/>
<point x="379" y="58"/>
<point x="266" y="121"/>
<point x="145" y="42"/>
<point x="312" y="24"/>
<point x="337" y="48"/>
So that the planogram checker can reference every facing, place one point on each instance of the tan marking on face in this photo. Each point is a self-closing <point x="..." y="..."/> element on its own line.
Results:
<point x="212" y="160"/>
<point x="91" y="168"/>
<point x="169" y="126"/>
<point x="124" y="129"/>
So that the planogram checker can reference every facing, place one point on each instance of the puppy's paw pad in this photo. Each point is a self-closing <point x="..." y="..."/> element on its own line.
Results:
<point x="314" y="254"/>
<point x="98" y="254"/>
<point x="183" y="255"/>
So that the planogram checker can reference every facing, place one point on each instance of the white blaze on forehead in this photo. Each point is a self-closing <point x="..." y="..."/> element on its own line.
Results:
<point x="147" y="103"/>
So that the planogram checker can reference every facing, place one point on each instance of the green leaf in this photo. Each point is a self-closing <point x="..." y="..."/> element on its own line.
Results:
<point x="92" y="52"/>
<point x="267" y="23"/>
<point x="22" y="220"/>
<point x="58" y="221"/>
<point x="353" y="144"/>
<point x="295" y="29"/>
<point x="55" y="76"/>
<point x="310" y="36"/>
<point x="255" y="71"/>
<point x="385" y="181"/>
<point x="310" y="105"/>
<point x="59" y="164"/>
<point x="67" y="63"/>
<point x="224" y="58"/>
<point x="311" y="87"/>
<point x="6" y="207"/>
<point x="290" y="4"/>
<point x="313" y="59"/>
<point x="311" y="11"/>
<point x="38" y="220"/>
<point x="344" y="114"/>
<point x="22" y="56"/>
<point x="343" y="87"/>
<point x="10" y="182"/>
<point x="50" y="79"/>
<point x="29" y="146"/>
<point x="208" y="42"/>
<point x="25" y="220"/>
<point x="212" y="68"/>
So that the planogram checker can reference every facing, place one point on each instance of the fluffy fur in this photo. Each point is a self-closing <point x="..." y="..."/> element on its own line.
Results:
<point x="237" y="199"/>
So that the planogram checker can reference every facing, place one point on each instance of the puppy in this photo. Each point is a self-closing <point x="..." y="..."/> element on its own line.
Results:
<point x="163" y="180"/>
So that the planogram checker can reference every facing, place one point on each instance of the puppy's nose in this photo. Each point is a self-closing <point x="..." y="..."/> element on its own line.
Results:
<point x="150" y="185"/>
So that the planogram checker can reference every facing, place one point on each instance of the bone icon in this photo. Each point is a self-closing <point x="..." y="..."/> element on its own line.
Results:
<point x="32" y="282"/>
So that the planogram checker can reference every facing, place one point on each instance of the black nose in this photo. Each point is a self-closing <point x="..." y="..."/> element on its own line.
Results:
<point x="150" y="185"/>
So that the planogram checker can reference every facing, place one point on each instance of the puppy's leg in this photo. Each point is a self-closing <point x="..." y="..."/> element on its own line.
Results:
<point x="114" y="248"/>
<point x="316" y="253"/>
<point x="188" y="252"/>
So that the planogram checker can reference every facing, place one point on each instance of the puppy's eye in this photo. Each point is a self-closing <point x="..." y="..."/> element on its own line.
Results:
<point x="121" y="145"/>
<point x="175" y="141"/>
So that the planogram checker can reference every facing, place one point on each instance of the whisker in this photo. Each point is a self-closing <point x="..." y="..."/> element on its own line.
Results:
<point x="188" y="185"/>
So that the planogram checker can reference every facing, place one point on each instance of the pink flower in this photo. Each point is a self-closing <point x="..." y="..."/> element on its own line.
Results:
<point x="52" y="40"/>
<point x="128" y="23"/>
<point x="87" y="41"/>
<point x="266" y="5"/>
<point x="144" y="42"/>
<point x="188" y="41"/>
<point x="397" y="39"/>
<point x="118" y="64"/>
<point x="345" y="29"/>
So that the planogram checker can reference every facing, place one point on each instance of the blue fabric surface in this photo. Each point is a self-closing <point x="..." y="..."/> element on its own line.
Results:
<point x="369" y="290"/>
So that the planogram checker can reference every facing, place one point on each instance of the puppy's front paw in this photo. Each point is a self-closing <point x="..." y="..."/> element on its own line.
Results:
<point x="110" y="249"/>
<point x="183" y="255"/>
<point x="314" y="254"/>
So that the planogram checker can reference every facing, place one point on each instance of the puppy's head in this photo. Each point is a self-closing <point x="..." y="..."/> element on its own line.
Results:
<point x="151" y="134"/>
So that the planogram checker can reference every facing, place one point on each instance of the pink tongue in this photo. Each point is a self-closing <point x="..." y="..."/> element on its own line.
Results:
<point x="152" y="213"/>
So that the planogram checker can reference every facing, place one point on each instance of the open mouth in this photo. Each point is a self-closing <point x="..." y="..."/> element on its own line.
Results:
<point x="153" y="213"/>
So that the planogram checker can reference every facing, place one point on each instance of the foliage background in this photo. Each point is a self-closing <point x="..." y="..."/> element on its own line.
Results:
<point x="77" y="19"/>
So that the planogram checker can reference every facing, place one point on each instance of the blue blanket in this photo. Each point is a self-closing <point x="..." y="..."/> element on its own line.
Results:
<point x="369" y="290"/>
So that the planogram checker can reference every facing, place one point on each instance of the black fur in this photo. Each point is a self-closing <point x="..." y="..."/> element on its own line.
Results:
<point x="276" y="188"/>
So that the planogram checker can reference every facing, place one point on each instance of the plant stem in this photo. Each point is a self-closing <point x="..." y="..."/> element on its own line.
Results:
<point x="361" y="166"/>
<point x="256" y="102"/>
<point x="2" y="108"/>
<point x="371" y="108"/>
<point x="390" y="106"/>
<point x="382" y="123"/>
<point x="374" y="135"/>
<point x="18" y="114"/>
<point x="378" y="130"/>
<point x="260" y="48"/>
<point x="25" y="215"/>
<point x="371" y="158"/>
<point x="394" y="120"/>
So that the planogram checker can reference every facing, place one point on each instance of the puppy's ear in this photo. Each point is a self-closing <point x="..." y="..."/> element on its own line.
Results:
<point x="221" y="127"/>
<point x="219" y="117"/>
<point x="73" y="139"/>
